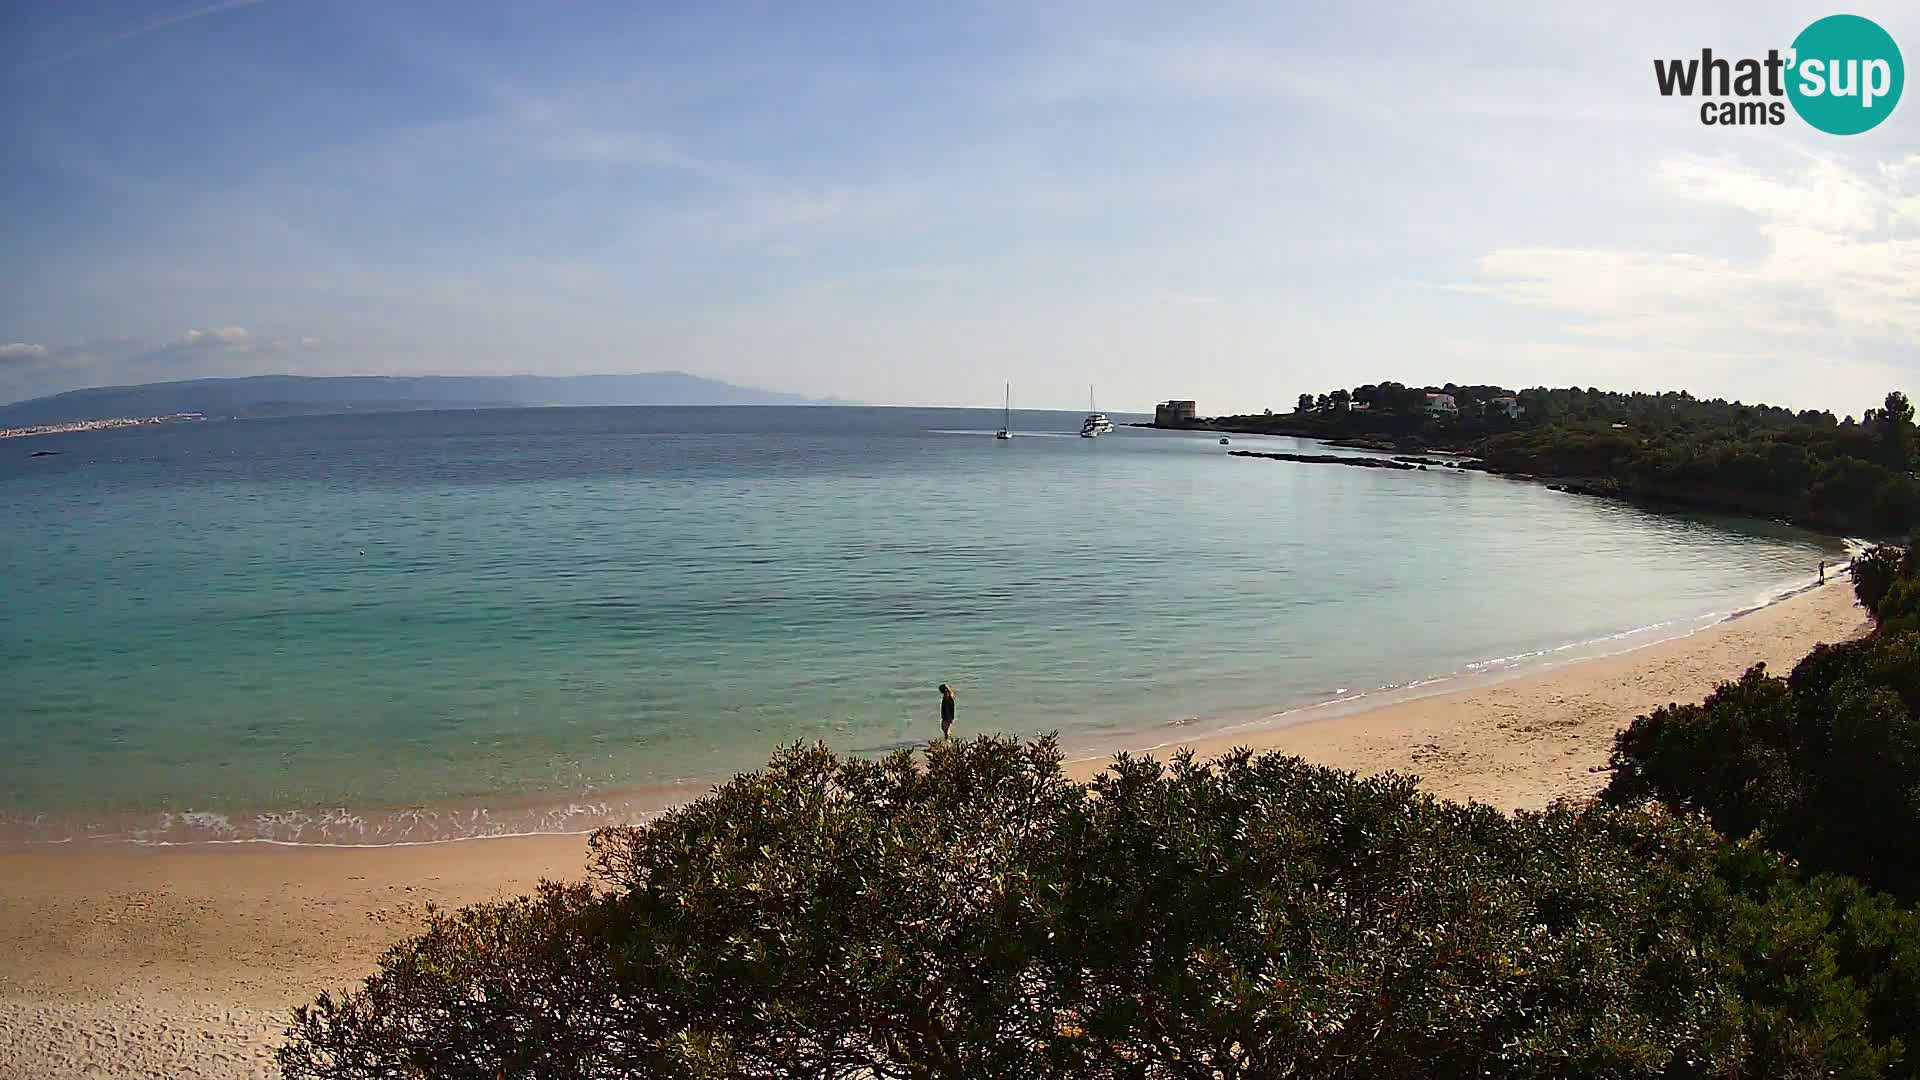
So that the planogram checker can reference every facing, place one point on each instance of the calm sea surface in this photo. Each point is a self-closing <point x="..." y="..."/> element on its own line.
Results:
<point x="381" y="628"/>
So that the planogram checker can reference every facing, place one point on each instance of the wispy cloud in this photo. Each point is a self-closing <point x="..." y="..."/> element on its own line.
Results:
<point x="1824" y="196"/>
<point x="1840" y="258"/>
<point x="1829" y="298"/>
<point x="151" y="26"/>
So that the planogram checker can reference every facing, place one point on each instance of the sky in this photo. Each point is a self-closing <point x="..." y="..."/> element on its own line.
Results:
<point x="914" y="203"/>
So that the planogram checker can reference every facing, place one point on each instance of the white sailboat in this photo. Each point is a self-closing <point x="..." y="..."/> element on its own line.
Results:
<point x="1006" y="423"/>
<point x="1096" y="423"/>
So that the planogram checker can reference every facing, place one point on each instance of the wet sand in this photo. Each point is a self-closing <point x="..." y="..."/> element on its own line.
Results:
<point x="183" y="962"/>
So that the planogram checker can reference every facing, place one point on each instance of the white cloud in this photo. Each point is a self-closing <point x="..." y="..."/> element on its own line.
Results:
<point x="1821" y="308"/>
<point x="223" y="337"/>
<point x="1825" y="196"/>
<point x="1840" y="262"/>
<point x="22" y="352"/>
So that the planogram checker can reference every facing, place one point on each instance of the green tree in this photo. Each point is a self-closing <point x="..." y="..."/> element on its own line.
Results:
<point x="1894" y="425"/>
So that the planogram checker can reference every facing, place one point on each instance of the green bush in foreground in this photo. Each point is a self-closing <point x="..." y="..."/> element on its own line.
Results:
<point x="1874" y="573"/>
<point x="978" y="915"/>
<point x="1823" y="765"/>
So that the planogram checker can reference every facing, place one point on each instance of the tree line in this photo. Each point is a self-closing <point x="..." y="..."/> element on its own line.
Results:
<point x="1809" y="467"/>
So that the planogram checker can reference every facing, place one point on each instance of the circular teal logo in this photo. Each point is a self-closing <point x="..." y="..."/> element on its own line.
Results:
<point x="1846" y="75"/>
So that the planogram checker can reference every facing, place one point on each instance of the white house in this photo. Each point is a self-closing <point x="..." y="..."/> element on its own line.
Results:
<point x="1441" y="405"/>
<point x="1509" y="405"/>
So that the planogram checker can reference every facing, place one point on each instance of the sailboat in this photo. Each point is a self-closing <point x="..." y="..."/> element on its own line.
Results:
<point x="1006" y="423"/>
<point x="1096" y="423"/>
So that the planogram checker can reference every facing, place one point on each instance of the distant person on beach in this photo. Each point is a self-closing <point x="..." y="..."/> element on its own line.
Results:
<point x="1823" y="571"/>
<point x="946" y="710"/>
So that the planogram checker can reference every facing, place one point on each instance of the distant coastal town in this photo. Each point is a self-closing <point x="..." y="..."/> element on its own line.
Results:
<point x="97" y="425"/>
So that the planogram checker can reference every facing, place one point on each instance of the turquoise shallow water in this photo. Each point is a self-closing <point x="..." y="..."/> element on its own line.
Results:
<point x="403" y="627"/>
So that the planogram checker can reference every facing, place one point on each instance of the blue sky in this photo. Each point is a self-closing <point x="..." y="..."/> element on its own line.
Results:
<point x="912" y="203"/>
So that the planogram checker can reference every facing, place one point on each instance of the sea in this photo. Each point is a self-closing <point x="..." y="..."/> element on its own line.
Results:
<point x="415" y="627"/>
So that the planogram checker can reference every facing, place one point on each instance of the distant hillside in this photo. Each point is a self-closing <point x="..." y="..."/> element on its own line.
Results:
<point x="289" y="395"/>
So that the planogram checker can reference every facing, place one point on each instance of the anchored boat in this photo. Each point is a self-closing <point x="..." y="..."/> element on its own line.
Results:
<point x="1096" y="423"/>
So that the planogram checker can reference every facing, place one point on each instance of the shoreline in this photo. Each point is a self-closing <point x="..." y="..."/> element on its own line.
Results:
<point x="578" y="814"/>
<point x="183" y="961"/>
<point x="1542" y="734"/>
<point x="1594" y="487"/>
<point x="111" y="423"/>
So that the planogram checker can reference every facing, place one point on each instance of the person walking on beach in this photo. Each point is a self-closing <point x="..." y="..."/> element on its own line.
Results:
<point x="1823" y="571"/>
<point x="946" y="710"/>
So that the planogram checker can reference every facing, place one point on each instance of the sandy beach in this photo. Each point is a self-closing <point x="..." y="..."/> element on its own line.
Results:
<point x="182" y="962"/>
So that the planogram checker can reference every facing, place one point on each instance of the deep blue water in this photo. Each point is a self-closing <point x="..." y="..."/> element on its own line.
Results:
<point x="367" y="628"/>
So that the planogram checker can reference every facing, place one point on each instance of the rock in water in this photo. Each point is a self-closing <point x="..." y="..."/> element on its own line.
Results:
<point x="1326" y="459"/>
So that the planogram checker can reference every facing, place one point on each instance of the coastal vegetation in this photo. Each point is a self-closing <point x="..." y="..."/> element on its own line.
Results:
<point x="1808" y="467"/>
<point x="1824" y="764"/>
<point x="975" y="913"/>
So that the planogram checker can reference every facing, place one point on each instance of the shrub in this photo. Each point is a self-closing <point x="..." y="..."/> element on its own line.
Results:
<point x="1874" y="572"/>
<point x="980" y="915"/>
<point x="1823" y="765"/>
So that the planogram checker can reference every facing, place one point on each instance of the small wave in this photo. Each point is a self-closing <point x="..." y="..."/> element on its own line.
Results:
<point x="334" y="827"/>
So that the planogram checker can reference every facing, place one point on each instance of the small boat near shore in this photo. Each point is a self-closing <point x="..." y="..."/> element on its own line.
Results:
<point x="1006" y="423"/>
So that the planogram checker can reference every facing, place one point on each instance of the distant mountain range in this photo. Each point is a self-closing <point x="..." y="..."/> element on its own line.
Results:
<point x="291" y="395"/>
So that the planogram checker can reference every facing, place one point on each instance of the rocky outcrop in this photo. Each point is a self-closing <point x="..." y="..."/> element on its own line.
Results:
<point x="1328" y="459"/>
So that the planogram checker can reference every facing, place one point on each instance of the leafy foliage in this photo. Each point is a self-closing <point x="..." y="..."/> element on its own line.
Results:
<point x="1886" y="580"/>
<point x="1874" y="573"/>
<point x="1671" y="448"/>
<point x="977" y="914"/>
<point x="1823" y="765"/>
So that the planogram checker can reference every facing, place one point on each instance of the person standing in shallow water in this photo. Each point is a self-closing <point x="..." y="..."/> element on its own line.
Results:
<point x="946" y="710"/>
